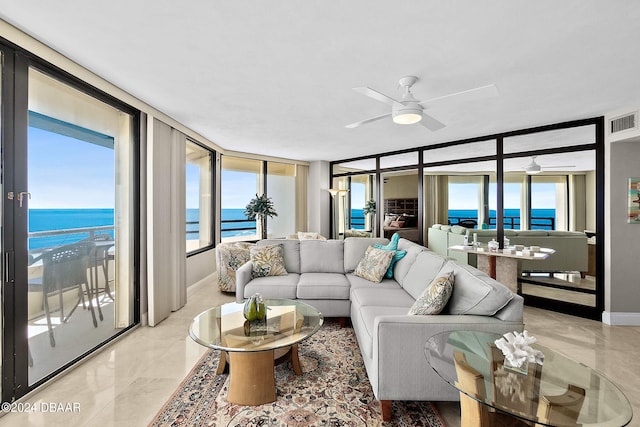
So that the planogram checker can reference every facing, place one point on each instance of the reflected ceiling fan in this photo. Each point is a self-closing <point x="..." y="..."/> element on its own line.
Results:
<point x="535" y="167"/>
<point x="409" y="110"/>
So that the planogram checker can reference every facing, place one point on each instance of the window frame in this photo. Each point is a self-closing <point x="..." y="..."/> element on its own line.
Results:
<point x="212" y="202"/>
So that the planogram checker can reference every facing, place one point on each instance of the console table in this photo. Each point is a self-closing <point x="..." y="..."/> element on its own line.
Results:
<point x="504" y="267"/>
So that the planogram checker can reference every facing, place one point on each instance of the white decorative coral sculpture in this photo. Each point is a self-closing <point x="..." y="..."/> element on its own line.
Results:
<point x="516" y="348"/>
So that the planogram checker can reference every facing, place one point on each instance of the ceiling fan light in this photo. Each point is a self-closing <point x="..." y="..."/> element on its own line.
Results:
<point x="407" y="118"/>
<point x="407" y="114"/>
<point x="533" y="171"/>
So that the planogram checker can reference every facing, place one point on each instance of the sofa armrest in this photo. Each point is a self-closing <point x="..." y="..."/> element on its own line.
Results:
<point x="398" y="352"/>
<point x="243" y="276"/>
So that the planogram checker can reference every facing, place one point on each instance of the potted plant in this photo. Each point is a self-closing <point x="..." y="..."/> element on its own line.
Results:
<point x="260" y="207"/>
<point x="370" y="208"/>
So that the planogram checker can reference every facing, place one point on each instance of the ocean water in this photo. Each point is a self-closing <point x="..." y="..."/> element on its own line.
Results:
<point x="64" y="219"/>
<point x="541" y="219"/>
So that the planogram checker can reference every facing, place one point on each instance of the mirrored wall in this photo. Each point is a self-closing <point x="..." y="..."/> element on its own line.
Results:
<point x="536" y="187"/>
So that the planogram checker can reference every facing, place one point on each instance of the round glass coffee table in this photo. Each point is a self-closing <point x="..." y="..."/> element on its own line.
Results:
<point x="560" y="392"/>
<point x="252" y="349"/>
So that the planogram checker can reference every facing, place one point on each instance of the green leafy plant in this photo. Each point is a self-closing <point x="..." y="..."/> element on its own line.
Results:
<point x="260" y="207"/>
<point x="369" y="207"/>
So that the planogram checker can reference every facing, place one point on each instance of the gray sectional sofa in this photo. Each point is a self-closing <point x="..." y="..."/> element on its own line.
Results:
<point x="391" y="341"/>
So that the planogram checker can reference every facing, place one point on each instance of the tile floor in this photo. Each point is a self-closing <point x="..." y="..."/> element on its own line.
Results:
<point x="127" y="383"/>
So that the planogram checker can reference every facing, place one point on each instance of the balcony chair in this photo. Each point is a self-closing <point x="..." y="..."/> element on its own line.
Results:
<point x="64" y="268"/>
<point x="468" y="223"/>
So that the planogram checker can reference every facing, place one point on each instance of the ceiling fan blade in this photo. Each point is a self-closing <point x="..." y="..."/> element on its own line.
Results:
<point x="365" y="121"/>
<point x="431" y="123"/>
<point x="371" y="93"/>
<point x="550" y="167"/>
<point x="482" y="92"/>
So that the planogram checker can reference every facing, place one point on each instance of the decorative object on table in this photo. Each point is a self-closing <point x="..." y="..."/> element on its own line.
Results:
<point x="634" y="201"/>
<point x="260" y="208"/>
<point x="516" y="347"/>
<point x="493" y="245"/>
<point x="255" y="308"/>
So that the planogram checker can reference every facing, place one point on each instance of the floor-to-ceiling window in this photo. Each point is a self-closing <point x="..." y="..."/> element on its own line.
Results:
<point x="70" y="176"/>
<point x="241" y="181"/>
<point x="281" y="188"/>
<point x="199" y="200"/>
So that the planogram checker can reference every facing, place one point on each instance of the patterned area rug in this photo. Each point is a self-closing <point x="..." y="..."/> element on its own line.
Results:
<point x="333" y="391"/>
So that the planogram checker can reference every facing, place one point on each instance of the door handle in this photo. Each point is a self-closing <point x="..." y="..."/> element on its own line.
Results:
<point x="19" y="196"/>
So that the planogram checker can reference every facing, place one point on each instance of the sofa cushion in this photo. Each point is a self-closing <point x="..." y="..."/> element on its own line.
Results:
<point x="356" y="282"/>
<point x="435" y="297"/>
<point x="425" y="268"/>
<point x="322" y="256"/>
<point x="323" y="286"/>
<point x="291" y="252"/>
<point x="267" y="260"/>
<point x="402" y="266"/>
<point x="354" y="249"/>
<point x="458" y="229"/>
<point x="273" y="286"/>
<point x="537" y="233"/>
<point x="389" y="297"/>
<point x="374" y="264"/>
<point x="474" y="292"/>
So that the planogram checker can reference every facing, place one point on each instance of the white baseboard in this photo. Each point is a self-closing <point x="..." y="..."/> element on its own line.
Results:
<point x="621" y="319"/>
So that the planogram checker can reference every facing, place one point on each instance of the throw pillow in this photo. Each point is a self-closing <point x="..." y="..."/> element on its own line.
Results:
<point x="392" y="246"/>
<point x="397" y="224"/>
<point x="435" y="297"/>
<point x="374" y="265"/>
<point x="267" y="260"/>
<point x="305" y="235"/>
<point x="388" y="218"/>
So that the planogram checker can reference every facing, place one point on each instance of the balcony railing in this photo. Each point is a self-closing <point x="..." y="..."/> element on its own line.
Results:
<point x="53" y="238"/>
<point x="513" y="222"/>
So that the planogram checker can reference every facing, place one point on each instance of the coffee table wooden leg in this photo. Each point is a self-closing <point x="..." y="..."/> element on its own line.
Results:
<point x="295" y="361"/>
<point x="251" y="378"/>
<point x="222" y="363"/>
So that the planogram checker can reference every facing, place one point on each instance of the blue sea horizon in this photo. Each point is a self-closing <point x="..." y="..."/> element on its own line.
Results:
<point x="64" y="219"/>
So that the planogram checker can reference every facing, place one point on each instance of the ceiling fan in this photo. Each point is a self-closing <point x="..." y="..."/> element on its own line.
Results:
<point x="534" y="167"/>
<point x="409" y="110"/>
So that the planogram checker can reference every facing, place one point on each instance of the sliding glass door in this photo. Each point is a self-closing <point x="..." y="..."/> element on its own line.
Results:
<point x="69" y="213"/>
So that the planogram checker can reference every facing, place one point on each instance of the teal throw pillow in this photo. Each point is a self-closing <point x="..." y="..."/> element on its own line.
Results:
<point x="392" y="246"/>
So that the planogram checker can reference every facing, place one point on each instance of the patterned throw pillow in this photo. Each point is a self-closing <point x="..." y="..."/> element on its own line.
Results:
<point x="374" y="265"/>
<point x="267" y="260"/>
<point x="435" y="297"/>
<point x="230" y="257"/>
<point x="392" y="246"/>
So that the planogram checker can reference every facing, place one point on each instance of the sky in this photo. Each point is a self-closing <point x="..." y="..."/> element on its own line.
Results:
<point x="67" y="173"/>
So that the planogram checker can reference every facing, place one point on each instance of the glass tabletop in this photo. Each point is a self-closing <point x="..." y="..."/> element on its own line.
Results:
<point x="224" y="327"/>
<point x="530" y="391"/>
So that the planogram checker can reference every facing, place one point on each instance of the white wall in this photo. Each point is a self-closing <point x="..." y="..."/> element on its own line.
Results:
<point x="318" y="198"/>
<point x="200" y="266"/>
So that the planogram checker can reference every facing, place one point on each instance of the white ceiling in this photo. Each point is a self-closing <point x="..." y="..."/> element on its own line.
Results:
<point x="275" y="77"/>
